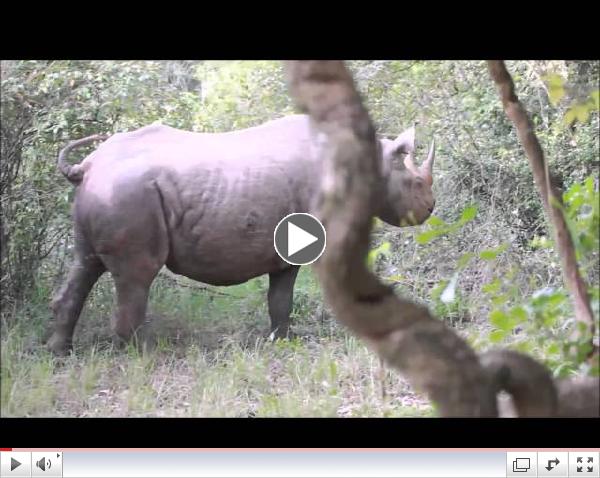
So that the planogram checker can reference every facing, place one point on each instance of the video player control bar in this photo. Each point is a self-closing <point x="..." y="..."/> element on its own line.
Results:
<point x="298" y="463"/>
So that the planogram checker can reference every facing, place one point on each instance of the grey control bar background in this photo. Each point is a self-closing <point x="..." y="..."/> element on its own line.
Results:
<point x="284" y="464"/>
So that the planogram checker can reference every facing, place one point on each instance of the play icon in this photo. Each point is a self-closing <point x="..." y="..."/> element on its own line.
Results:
<point x="299" y="239"/>
<point x="15" y="464"/>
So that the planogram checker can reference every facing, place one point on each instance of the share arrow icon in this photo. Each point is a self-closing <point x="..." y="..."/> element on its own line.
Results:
<point x="550" y="464"/>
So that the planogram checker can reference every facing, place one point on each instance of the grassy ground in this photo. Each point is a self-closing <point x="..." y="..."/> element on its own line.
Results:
<point x="206" y="352"/>
<point x="205" y="355"/>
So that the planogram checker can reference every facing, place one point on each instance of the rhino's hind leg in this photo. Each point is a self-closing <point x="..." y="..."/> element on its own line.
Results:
<point x="68" y="302"/>
<point x="134" y="249"/>
<point x="133" y="276"/>
<point x="281" y="296"/>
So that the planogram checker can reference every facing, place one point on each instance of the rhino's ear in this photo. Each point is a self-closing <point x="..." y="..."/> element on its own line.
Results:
<point x="392" y="149"/>
<point x="387" y="154"/>
<point x="405" y="142"/>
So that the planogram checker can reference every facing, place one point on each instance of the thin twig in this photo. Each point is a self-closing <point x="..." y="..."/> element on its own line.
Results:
<point x="551" y="197"/>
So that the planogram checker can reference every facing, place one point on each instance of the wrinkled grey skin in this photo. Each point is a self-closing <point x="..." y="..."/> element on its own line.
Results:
<point x="205" y="206"/>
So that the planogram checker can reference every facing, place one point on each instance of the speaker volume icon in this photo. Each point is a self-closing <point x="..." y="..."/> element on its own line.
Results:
<point x="43" y="463"/>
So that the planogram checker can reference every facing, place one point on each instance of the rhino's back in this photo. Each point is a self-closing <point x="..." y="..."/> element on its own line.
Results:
<point x="163" y="145"/>
<point x="222" y="194"/>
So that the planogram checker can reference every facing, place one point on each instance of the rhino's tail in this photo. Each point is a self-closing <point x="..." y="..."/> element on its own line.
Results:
<point x="74" y="172"/>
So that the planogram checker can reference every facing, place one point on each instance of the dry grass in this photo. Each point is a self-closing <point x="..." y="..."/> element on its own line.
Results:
<point x="207" y="358"/>
<point x="309" y="377"/>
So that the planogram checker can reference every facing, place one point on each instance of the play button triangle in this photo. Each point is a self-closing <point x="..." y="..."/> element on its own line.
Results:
<point x="298" y="239"/>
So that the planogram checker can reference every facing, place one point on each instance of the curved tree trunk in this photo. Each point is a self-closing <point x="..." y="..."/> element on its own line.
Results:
<point x="433" y="358"/>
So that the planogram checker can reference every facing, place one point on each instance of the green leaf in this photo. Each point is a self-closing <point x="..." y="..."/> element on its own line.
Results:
<point x="395" y="278"/>
<point x="572" y="192"/>
<point x="500" y="320"/>
<point x="519" y="314"/>
<point x="556" y="87"/>
<point x="438" y="289"/>
<point x="469" y="214"/>
<point x="427" y="236"/>
<point x="384" y="248"/>
<point x="464" y="260"/>
<point x="435" y="221"/>
<point x="588" y="243"/>
<point x="540" y="242"/>
<point x="491" y="254"/>
<point x="492" y="287"/>
<point x="524" y="347"/>
<point x="556" y="94"/>
<point x="500" y="299"/>
<point x="582" y="113"/>
<point x="488" y="255"/>
<point x="377" y="223"/>
<point x="577" y="201"/>
<point x="570" y="116"/>
<point x="374" y="254"/>
<point x="553" y="349"/>
<point x="595" y="95"/>
<point x="589" y="185"/>
<point x="579" y="112"/>
<point x="497" y="336"/>
<point x="333" y="370"/>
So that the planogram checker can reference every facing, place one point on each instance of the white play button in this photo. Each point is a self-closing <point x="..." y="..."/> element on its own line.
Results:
<point x="298" y="239"/>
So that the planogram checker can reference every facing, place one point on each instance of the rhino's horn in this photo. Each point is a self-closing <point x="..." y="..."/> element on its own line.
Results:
<point x="427" y="166"/>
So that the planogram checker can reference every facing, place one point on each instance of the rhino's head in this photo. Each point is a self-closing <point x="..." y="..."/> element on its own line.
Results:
<point x="407" y="196"/>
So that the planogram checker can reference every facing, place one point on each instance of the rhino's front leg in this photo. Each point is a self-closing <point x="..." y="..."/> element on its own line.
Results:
<point x="281" y="296"/>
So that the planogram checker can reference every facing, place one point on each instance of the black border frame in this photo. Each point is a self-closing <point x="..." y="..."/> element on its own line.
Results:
<point x="300" y="433"/>
<point x="434" y="34"/>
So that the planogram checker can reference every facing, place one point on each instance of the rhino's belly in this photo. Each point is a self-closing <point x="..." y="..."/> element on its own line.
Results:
<point x="224" y="268"/>
<point x="227" y="254"/>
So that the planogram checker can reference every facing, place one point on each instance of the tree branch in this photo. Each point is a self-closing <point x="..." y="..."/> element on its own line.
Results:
<point x="551" y="197"/>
